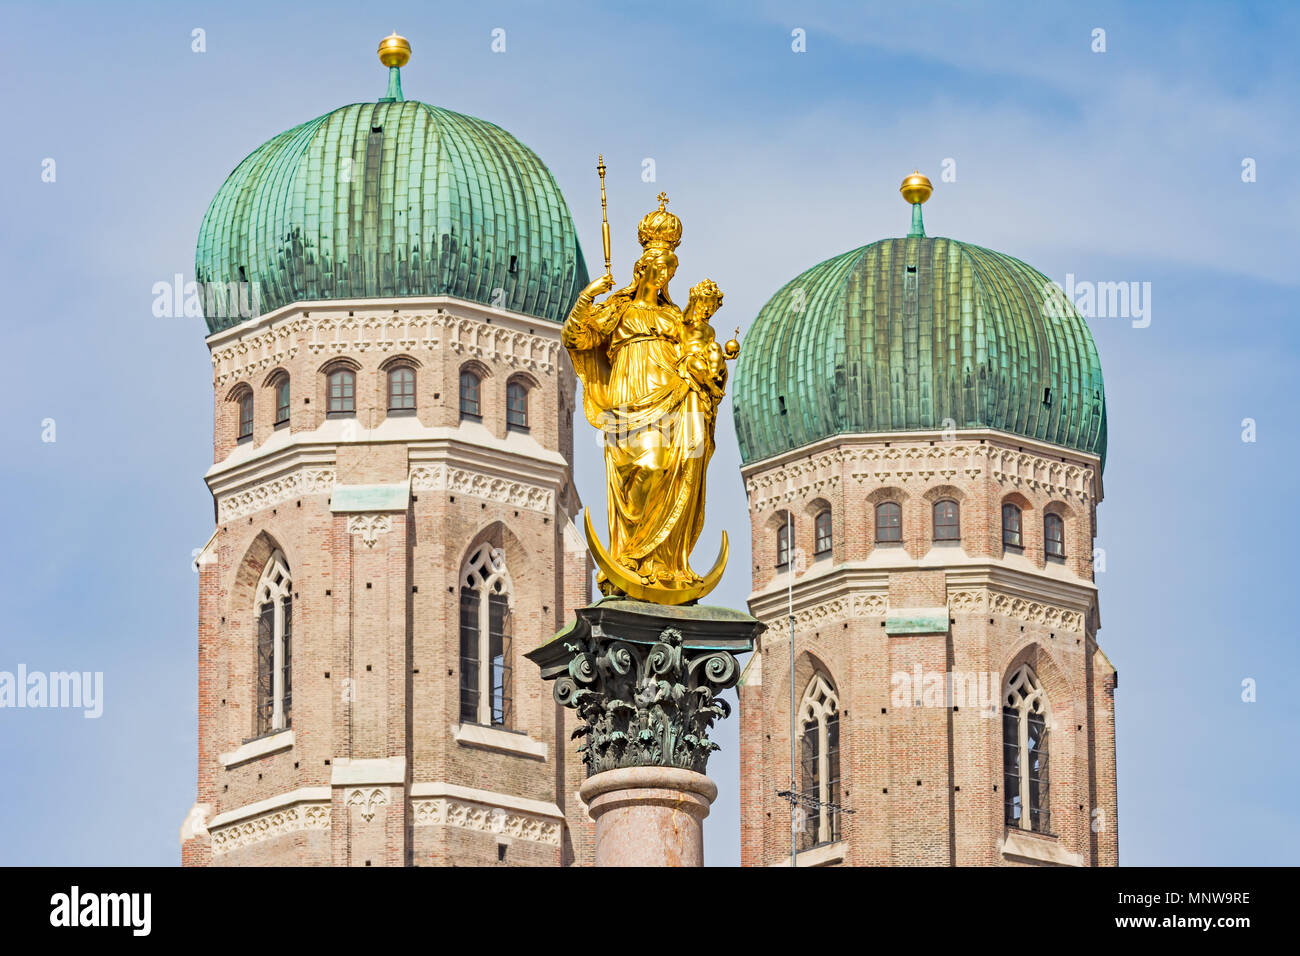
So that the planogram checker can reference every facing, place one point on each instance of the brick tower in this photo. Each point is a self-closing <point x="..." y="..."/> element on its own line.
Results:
<point x="923" y="427"/>
<point x="393" y="498"/>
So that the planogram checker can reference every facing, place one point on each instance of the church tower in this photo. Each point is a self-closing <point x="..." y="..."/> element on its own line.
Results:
<point x="923" y="428"/>
<point x="384" y="287"/>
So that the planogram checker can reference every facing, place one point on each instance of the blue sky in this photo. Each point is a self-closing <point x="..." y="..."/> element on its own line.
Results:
<point x="1116" y="166"/>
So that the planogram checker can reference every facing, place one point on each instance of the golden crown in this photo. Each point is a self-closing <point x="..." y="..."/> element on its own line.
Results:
<point x="659" y="229"/>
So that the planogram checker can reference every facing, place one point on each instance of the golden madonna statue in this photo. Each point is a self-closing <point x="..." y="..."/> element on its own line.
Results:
<point x="652" y="377"/>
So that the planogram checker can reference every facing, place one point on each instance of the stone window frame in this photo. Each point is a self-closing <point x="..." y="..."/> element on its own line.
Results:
<point x="876" y="522"/>
<point x="517" y="418"/>
<point x="819" y="716"/>
<point x="486" y="687"/>
<point x="280" y="385"/>
<point x="273" y="630"/>
<point x="955" y="524"/>
<point x="823" y="532"/>
<point x="392" y="369"/>
<point x="1024" y="713"/>
<point x="1016" y="528"/>
<point x="782" y="525"/>
<point x="470" y="408"/>
<point x="241" y="397"/>
<point x="329" y="371"/>
<point x="1055" y="515"/>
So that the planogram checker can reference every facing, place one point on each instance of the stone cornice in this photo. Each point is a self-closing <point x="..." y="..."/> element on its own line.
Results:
<point x="307" y="808"/>
<point x="518" y="472"/>
<point x="440" y="804"/>
<point x="849" y="591"/>
<point x="904" y="457"/>
<point x="386" y="326"/>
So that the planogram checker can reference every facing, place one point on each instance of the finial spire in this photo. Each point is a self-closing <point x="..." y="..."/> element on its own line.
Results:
<point x="394" y="52"/>
<point x="663" y="200"/>
<point x="916" y="189"/>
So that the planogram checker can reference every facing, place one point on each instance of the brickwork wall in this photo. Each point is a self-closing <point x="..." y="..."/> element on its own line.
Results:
<point x="926" y="782"/>
<point x="375" y="627"/>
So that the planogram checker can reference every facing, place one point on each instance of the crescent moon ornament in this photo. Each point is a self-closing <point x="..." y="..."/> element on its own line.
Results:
<point x="631" y="584"/>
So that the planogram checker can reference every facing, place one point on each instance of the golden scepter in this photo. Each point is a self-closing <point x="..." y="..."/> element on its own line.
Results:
<point x="604" y="218"/>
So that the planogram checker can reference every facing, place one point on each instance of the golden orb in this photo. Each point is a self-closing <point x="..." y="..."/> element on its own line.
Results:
<point x="732" y="348"/>
<point x="394" y="50"/>
<point x="916" y="188"/>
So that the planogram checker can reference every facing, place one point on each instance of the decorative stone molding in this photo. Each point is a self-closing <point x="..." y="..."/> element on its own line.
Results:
<point x="368" y="800"/>
<point x="265" y="494"/>
<point x="1023" y="609"/>
<point x="484" y="818"/>
<point x="478" y="485"/>
<point x="290" y="819"/>
<point x="324" y="334"/>
<point x="1058" y="478"/>
<point x="369" y="527"/>
<point x="967" y="600"/>
<point x="902" y="463"/>
<point x="798" y="479"/>
<point x="839" y="608"/>
<point x="646" y="680"/>
<point x="1033" y="612"/>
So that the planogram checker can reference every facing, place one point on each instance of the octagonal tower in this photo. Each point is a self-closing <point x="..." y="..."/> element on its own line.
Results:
<point x="922" y="426"/>
<point x="393" y="497"/>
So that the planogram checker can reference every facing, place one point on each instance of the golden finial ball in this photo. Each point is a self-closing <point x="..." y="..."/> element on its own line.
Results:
<point x="732" y="348"/>
<point x="916" y="188"/>
<point x="394" y="50"/>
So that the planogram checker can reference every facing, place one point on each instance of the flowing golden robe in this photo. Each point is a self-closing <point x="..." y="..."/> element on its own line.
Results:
<point x="658" y="429"/>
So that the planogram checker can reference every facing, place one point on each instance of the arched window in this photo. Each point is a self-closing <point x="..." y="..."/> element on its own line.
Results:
<point x="281" y="389"/>
<point x="342" y="392"/>
<point x="245" y="415"/>
<point x="1054" y="535"/>
<point x="947" y="521"/>
<point x="889" y="522"/>
<point x="470" y="407"/>
<point x="819" y="786"/>
<point x="517" y="407"/>
<point x="783" y="542"/>
<point x="1012" y="539"/>
<point x="822" y="533"/>
<point x="274" y="609"/>
<point x="485" y="666"/>
<point x="401" y="389"/>
<point x="1024" y="752"/>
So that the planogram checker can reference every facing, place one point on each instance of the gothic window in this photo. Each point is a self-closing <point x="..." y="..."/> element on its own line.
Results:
<point x="819" y="784"/>
<point x="1054" y="535"/>
<point x="401" y="389"/>
<point x="822" y="533"/>
<point x="1024" y="752"/>
<point x="947" y="521"/>
<point x="517" y="407"/>
<point x="1012" y="539"/>
<point x="486" y="595"/>
<point x="342" y="392"/>
<point x="281" y="389"/>
<point x="274" y="609"/>
<point x="889" y="522"/>
<point x="470" y="407"/>
<point x="245" y="415"/>
<point x="783" y="542"/>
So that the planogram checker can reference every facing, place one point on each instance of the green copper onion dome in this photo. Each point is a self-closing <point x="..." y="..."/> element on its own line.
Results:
<point x="391" y="198"/>
<point x="903" y="334"/>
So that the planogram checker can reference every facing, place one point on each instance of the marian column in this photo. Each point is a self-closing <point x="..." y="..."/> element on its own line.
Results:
<point x="645" y="665"/>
